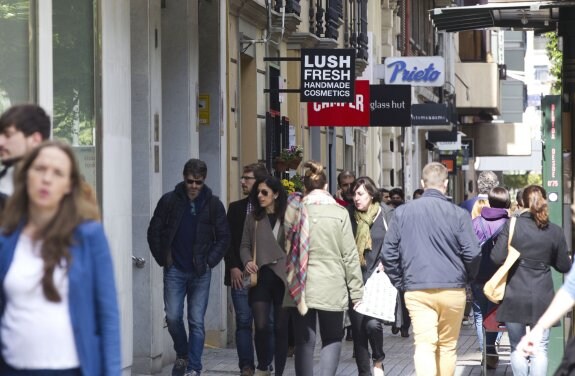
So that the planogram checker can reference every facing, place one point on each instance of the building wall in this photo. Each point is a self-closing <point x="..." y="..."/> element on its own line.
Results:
<point x="116" y="156"/>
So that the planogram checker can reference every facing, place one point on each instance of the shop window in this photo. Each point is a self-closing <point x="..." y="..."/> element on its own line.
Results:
<point x="17" y="50"/>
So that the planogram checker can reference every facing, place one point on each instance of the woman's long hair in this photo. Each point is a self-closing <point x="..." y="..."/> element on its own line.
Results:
<point x="58" y="233"/>
<point x="535" y="200"/>
<point x="280" y="203"/>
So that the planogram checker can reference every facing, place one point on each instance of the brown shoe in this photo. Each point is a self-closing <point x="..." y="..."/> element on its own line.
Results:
<point x="492" y="361"/>
<point x="247" y="371"/>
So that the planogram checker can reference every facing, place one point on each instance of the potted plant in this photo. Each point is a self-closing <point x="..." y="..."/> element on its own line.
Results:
<point x="292" y="156"/>
<point x="293" y="184"/>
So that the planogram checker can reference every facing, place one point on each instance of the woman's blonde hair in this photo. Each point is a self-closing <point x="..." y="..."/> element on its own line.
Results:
<point x="478" y="205"/>
<point x="57" y="234"/>
<point x="314" y="177"/>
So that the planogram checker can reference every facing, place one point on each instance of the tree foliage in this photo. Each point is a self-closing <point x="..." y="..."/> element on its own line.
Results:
<point x="556" y="59"/>
<point x="518" y="181"/>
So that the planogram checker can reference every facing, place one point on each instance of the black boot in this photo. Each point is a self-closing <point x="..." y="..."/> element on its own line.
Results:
<point x="348" y="336"/>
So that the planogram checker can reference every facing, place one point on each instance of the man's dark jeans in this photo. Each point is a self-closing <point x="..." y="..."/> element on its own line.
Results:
<point x="178" y="286"/>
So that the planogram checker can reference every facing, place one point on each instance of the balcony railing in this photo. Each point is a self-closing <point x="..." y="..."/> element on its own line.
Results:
<point x="327" y="18"/>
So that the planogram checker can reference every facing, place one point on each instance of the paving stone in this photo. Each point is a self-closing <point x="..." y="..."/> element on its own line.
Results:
<point x="398" y="361"/>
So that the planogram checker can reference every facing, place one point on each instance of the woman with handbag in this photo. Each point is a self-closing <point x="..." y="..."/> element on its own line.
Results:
<point x="369" y="223"/>
<point x="529" y="289"/>
<point x="323" y="271"/>
<point x="263" y="254"/>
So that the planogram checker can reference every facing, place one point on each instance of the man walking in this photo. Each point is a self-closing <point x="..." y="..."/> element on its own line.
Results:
<point x="188" y="235"/>
<point x="237" y="212"/>
<point x="431" y="252"/>
<point x="22" y="127"/>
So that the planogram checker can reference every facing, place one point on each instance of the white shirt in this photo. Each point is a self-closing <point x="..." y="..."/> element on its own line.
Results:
<point x="36" y="333"/>
<point x="7" y="182"/>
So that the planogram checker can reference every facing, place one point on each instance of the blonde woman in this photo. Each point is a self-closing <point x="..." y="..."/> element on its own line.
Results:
<point x="323" y="271"/>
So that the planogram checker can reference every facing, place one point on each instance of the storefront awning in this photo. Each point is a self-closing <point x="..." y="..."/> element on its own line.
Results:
<point x="540" y="16"/>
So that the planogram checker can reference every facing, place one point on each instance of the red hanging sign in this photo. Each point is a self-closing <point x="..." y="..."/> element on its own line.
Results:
<point x="353" y="114"/>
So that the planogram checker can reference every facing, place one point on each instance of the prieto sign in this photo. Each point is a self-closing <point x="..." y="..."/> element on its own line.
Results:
<point x="415" y="71"/>
<point x="327" y="75"/>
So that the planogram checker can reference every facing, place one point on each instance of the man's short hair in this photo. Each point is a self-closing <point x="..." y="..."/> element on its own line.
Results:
<point x="486" y="181"/>
<point x="259" y="170"/>
<point x="433" y="175"/>
<point x="196" y="167"/>
<point x="26" y="118"/>
<point x="344" y="174"/>
<point x="397" y="191"/>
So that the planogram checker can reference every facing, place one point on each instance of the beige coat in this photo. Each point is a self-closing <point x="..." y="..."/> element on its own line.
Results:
<point x="269" y="249"/>
<point x="333" y="266"/>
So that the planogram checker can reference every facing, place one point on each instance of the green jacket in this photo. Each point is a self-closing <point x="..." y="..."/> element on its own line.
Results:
<point x="333" y="266"/>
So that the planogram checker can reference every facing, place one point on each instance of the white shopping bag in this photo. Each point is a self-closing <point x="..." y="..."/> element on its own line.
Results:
<point x="379" y="297"/>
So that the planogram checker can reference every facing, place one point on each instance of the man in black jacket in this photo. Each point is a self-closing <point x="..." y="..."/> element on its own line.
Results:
<point x="237" y="212"/>
<point x="430" y="251"/>
<point x="188" y="235"/>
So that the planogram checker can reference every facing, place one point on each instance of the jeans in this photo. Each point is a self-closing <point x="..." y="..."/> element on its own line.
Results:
<point x="244" y="319"/>
<point x="481" y="306"/>
<point x="366" y="330"/>
<point x="436" y="316"/>
<point x="178" y="286"/>
<point x="535" y="365"/>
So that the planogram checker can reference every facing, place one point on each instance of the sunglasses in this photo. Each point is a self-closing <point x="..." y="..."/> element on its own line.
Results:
<point x="194" y="181"/>
<point x="247" y="177"/>
<point x="264" y="192"/>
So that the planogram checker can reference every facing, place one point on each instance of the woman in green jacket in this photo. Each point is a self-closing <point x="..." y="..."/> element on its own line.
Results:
<point x="323" y="271"/>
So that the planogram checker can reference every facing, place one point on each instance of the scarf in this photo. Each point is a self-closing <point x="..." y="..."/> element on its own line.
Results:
<point x="363" y="236"/>
<point x="296" y="228"/>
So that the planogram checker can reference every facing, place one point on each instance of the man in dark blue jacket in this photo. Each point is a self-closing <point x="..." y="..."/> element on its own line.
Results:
<point x="188" y="235"/>
<point x="430" y="251"/>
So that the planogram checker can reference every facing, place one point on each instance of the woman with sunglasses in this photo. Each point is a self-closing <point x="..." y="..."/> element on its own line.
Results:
<point x="323" y="271"/>
<point x="263" y="229"/>
<point x="58" y="311"/>
<point x="369" y="222"/>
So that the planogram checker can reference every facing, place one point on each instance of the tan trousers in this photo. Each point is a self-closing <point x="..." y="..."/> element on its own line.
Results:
<point x="436" y="317"/>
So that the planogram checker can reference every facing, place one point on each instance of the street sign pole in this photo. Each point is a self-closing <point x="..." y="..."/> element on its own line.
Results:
<point x="553" y="184"/>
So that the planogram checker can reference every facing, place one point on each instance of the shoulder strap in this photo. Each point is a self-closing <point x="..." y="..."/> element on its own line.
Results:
<point x="254" y="253"/>
<point x="384" y="221"/>
<point x="482" y="225"/>
<point x="511" y="230"/>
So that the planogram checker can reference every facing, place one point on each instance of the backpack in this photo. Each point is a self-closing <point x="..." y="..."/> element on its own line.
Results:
<point x="487" y="268"/>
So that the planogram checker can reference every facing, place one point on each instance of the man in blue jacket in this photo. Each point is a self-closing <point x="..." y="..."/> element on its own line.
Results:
<point x="188" y="235"/>
<point x="430" y="251"/>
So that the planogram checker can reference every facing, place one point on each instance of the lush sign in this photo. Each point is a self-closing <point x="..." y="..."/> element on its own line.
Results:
<point x="415" y="71"/>
<point x="327" y="75"/>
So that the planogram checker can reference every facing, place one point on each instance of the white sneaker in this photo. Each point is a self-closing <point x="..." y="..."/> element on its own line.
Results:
<point x="377" y="371"/>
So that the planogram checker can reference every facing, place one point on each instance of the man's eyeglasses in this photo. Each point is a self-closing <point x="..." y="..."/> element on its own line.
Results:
<point x="247" y="177"/>
<point x="194" y="181"/>
<point x="264" y="192"/>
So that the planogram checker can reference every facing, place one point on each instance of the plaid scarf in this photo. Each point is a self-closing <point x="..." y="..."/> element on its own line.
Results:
<point x="296" y="227"/>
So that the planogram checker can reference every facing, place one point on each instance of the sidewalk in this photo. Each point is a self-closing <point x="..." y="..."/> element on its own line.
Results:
<point x="398" y="361"/>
